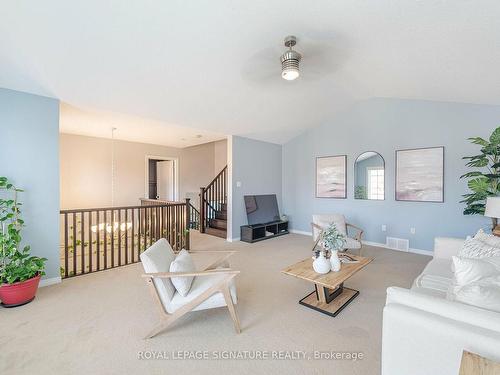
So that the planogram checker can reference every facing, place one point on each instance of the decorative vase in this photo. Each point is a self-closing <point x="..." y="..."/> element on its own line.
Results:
<point x="321" y="264"/>
<point x="335" y="261"/>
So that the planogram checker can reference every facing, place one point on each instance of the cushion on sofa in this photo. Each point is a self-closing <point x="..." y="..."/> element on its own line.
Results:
<point x="435" y="279"/>
<point x="487" y="238"/>
<point x="484" y="293"/>
<point x="469" y="270"/>
<point x="474" y="248"/>
<point x="476" y="282"/>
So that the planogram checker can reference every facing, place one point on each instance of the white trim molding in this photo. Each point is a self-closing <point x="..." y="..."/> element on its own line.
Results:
<point x="50" y="281"/>
<point x="235" y="239"/>
<point x="410" y="250"/>
<point x="371" y="243"/>
<point x="175" y="161"/>
<point x="302" y="232"/>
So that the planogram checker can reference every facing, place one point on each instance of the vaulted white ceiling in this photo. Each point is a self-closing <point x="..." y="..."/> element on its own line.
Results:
<point x="214" y="65"/>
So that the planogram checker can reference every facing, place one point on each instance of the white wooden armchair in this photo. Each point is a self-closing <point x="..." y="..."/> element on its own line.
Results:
<point x="322" y="221"/>
<point x="211" y="288"/>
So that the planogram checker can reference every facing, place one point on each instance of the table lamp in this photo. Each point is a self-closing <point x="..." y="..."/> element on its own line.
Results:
<point x="493" y="210"/>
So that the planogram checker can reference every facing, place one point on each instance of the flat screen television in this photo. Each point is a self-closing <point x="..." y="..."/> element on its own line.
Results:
<point x="261" y="209"/>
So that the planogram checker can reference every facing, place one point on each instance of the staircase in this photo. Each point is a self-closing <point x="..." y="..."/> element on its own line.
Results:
<point x="213" y="206"/>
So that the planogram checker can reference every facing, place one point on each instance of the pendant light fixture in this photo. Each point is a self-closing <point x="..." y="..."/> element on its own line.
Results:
<point x="290" y="60"/>
<point x="116" y="224"/>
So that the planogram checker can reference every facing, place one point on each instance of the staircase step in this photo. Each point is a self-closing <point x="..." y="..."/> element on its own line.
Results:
<point x="216" y="232"/>
<point x="218" y="223"/>
<point x="221" y="215"/>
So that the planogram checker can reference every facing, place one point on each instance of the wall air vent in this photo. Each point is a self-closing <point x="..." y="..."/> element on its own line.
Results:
<point x="400" y="244"/>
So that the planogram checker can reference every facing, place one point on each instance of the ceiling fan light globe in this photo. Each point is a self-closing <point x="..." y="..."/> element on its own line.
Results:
<point x="290" y="74"/>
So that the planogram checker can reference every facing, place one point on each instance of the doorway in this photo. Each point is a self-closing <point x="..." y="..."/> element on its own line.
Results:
<point x="161" y="178"/>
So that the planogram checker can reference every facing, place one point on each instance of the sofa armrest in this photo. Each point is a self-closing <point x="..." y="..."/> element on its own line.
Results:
<point x="457" y="311"/>
<point x="446" y="247"/>
<point x="416" y="342"/>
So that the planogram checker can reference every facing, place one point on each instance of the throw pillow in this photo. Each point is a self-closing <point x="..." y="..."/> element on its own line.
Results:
<point x="488" y="239"/>
<point x="474" y="248"/>
<point x="484" y="293"/>
<point x="182" y="263"/>
<point x="469" y="270"/>
<point x="476" y="282"/>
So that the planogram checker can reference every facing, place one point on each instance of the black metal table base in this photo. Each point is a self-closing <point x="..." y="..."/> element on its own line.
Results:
<point x="330" y="308"/>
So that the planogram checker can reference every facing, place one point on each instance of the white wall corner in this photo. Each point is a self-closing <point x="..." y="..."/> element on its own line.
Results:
<point x="229" y="230"/>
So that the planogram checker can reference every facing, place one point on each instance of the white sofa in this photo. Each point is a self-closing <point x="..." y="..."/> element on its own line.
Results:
<point x="424" y="333"/>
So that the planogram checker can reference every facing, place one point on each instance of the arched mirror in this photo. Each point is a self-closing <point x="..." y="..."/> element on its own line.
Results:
<point x="369" y="176"/>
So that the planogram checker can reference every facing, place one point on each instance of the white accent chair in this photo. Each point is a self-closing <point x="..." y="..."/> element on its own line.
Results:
<point x="211" y="288"/>
<point x="320" y="222"/>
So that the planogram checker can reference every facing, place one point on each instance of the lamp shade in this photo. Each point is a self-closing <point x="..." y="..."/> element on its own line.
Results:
<point x="492" y="207"/>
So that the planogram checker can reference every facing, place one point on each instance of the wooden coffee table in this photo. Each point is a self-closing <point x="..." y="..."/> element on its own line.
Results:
<point x="330" y="296"/>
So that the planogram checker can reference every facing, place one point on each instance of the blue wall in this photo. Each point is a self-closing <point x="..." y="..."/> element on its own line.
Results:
<point x="257" y="165"/>
<point x="385" y="125"/>
<point x="29" y="157"/>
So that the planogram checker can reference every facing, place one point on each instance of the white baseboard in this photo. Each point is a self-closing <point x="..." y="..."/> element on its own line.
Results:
<point x="51" y="281"/>
<point x="410" y="250"/>
<point x="302" y="232"/>
<point x="371" y="243"/>
<point x="235" y="239"/>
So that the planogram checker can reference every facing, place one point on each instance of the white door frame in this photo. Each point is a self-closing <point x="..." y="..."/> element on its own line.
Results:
<point x="175" y="161"/>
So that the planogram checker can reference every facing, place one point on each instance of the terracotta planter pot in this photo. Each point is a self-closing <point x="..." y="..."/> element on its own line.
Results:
<point x="20" y="293"/>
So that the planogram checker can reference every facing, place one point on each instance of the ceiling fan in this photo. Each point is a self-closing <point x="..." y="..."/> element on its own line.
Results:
<point x="316" y="55"/>
<point x="290" y="60"/>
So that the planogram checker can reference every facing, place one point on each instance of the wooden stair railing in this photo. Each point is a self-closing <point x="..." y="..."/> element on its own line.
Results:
<point x="96" y="239"/>
<point x="213" y="201"/>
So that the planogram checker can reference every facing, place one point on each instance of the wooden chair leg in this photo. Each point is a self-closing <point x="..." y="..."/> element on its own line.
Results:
<point x="230" y="306"/>
<point x="163" y="325"/>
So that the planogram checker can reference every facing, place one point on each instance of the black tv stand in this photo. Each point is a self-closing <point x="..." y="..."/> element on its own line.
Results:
<point x="257" y="232"/>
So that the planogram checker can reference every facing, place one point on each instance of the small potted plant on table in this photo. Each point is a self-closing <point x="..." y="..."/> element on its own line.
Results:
<point x="20" y="272"/>
<point x="331" y="240"/>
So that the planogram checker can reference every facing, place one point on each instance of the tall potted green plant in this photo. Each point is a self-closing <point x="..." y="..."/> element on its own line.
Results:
<point x="485" y="180"/>
<point x="20" y="272"/>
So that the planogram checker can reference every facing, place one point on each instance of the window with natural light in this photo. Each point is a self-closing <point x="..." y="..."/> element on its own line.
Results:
<point x="375" y="183"/>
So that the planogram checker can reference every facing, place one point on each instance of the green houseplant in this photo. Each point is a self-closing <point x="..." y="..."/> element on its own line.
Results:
<point x="484" y="181"/>
<point x="20" y="272"/>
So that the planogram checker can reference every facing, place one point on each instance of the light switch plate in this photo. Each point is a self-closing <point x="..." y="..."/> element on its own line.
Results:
<point x="238" y="183"/>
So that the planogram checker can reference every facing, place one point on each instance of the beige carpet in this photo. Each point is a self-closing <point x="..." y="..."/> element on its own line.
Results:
<point x="94" y="324"/>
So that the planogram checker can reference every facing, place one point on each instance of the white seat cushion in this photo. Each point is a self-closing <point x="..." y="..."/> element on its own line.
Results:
<point x="157" y="258"/>
<point x="182" y="263"/>
<point x="200" y="285"/>
<point x="435" y="279"/>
